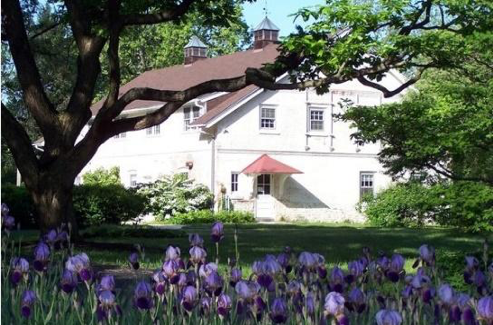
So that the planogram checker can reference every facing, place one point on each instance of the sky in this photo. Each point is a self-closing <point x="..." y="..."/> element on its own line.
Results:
<point x="278" y="12"/>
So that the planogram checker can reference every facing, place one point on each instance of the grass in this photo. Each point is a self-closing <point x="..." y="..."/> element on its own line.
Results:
<point x="339" y="243"/>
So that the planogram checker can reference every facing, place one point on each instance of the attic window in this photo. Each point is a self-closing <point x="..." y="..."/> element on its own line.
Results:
<point x="190" y="114"/>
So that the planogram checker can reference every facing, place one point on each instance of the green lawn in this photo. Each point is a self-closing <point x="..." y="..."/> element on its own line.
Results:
<point x="339" y="243"/>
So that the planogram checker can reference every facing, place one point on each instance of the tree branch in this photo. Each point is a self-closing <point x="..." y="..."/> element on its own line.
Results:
<point x="159" y="17"/>
<point x="389" y="93"/>
<point x="20" y="144"/>
<point x="34" y="94"/>
<point x="45" y="30"/>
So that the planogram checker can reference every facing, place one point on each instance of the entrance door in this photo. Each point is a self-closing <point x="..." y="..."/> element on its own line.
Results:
<point x="265" y="202"/>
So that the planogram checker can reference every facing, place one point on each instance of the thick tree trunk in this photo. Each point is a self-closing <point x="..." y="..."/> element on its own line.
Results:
<point x="54" y="206"/>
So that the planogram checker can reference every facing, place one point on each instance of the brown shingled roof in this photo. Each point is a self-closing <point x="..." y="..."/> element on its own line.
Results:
<point x="218" y="105"/>
<point x="181" y="77"/>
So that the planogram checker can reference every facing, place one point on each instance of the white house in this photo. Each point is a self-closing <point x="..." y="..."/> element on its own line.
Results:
<point x="279" y="154"/>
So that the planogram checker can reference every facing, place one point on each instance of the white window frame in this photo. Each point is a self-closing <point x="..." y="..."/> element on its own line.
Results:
<point x="132" y="176"/>
<point x="366" y="182"/>
<point x="234" y="182"/>
<point x="192" y="117"/>
<point x="153" y="131"/>
<point x="323" y="110"/>
<point x="122" y="135"/>
<point x="261" y="117"/>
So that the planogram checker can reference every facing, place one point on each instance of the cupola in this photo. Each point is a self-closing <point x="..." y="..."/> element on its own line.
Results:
<point x="195" y="50"/>
<point x="265" y="33"/>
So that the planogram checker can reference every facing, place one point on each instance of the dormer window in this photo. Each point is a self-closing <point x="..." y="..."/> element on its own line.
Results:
<point x="190" y="114"/>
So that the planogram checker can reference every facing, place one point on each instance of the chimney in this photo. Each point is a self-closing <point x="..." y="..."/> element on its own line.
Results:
<point x="195" y="50"/>
<point x="265" y="33"/>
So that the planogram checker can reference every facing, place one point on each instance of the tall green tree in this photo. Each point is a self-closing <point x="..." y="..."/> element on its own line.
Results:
<point x="348" y="40"/>
<point x="444" y="127"/>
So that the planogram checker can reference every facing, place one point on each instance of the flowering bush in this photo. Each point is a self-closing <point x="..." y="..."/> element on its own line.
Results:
<point x="175" y="194"/>
<point x="59" y="286"/>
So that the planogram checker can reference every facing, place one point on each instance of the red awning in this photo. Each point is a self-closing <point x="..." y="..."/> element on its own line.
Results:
<point x="267" y="165"/>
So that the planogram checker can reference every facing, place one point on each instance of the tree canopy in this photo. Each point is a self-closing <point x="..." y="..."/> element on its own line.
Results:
<point x="445" y="126"/>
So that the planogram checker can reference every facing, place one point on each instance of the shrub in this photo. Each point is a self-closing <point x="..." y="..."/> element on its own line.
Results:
<point x="113" y="204"/>
<point x="467" y="205"/>
<point x="107" y="231"/>
<point x="101" y="176"/>
<point x="175" y="194"/>
<point x="20" y="204"/>
<point x="208" y="216"/>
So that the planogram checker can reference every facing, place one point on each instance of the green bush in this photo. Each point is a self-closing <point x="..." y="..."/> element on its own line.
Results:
<point x="207" y="216"/>
<point x="467" y="205"/>
<point x="107" y="231"/>
<point x="175" y="194"/>
<point x="20" y="204"/>
<point x="111" y="204"/>
<point x="101" y="176"/>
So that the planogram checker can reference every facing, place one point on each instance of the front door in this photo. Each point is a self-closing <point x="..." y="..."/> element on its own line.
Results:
<point x="265" y="202"/>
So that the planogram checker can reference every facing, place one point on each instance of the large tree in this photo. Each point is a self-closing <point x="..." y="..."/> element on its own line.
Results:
<point x="444" y="127"/>
<point x="348" y="40"/>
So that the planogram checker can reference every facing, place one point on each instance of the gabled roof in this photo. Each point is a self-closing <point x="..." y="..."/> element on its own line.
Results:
<point x="267" y="165"/>
<point x="195" y="42"/>
<point x="181" y="77"/>
<point x="266" y="24"/>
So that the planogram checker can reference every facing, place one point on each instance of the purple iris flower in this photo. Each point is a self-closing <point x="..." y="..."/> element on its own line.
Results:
<point x="205" y="305"/>
<point x="5" y="210"/>
<point x="446" y="294"/>
<point x="396" y="267"/>
<point x="206" y="269"/>
<point x="278" y="311"/>
<point x="189" y="298"/>
<point x="196" y="240"/>
<point x="170" y="269"/>
<point x="356" y="270"/>
<point x="224" y="305"/>
<point x="310" y="303"/>
<point x="266" y="270"/>
<point x="20" y="269"/>
<point x="80" y="265"/>
<point x="107" y="283"/>
<point x="106" y="305"/>
<point x="236" y="276"/>
<point x="479" y="279"/>
<point x="182" y="280"/>
<point x="308" y="260"/>
<point x="51" y="237"/>
<point x="159" y="281"/>
<point x="337" y="279"/>
<point x="334" y="303"/>
<point x="41" y="257"/>
<point x="27" y="301"/>
<point x="247" y="290"/>
<point x="294" y="287"/>
<point x="143" y="295"/>
<point x="485" y="309"/>
<point x="217" y="232"/>
<point x="133" y="260"/>
<point x="8" y="222"/>
<point x="357" y="300"/>
<point x="284" y="260"/>
<point x="420" y="279"/>
<point x="69" y="281"/>
<point x="388" y="317"/>
<point x="427" y="254"/>
<point x="214" y="283"/>
<point x="427" y="294"/>
<point x="197" y="255"/>
<point x="172" y="253"/>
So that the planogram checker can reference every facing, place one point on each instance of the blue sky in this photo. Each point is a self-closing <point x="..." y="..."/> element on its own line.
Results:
<point x="278" y="11"/>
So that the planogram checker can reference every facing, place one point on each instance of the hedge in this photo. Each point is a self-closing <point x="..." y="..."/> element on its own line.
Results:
<point x="93" y="204"/>
<point x="207" y="216"/>
<point x="466" y="205"/>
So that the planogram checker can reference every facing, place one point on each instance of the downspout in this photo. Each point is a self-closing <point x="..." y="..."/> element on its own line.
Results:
<point x="213" y="163"/>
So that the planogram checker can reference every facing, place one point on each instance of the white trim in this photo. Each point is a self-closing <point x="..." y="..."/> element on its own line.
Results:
<point x="302" y="153"/>
<point x="238" y="104"/>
